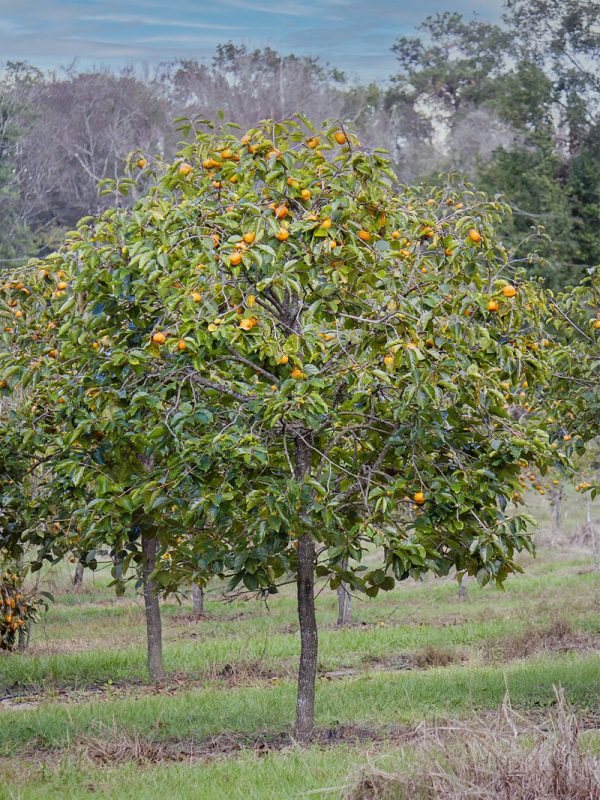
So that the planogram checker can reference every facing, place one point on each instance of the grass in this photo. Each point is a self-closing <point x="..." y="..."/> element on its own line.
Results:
<point x="276" y="776"/>
<point x="371" y="699"/>
<point x="84" y="679"/>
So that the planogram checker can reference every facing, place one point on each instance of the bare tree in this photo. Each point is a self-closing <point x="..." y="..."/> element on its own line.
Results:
<point x="85" y="126"/>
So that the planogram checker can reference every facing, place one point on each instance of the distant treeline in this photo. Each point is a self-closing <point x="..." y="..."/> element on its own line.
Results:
<point x="515" y="106"/>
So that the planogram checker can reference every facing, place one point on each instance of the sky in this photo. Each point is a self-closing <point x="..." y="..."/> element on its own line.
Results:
<point x="352" y="35"/>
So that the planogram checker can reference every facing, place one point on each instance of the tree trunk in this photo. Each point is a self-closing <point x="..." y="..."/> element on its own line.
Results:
<point x="78" y="577"/>
<point x="23" y="637"/>
<point x="592" y="531"/>
<point x="462" y="588"/>
<point x="344" y="602"/>
<point x="305" y="584"/>
<point x="307" y="673"/>
<point x="152" y="605"/>
<point x="198" y="600"/>
<point x="556" y="501"/>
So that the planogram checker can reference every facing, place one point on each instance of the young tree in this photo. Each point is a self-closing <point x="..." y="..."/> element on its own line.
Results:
<point x="277" y="360"/>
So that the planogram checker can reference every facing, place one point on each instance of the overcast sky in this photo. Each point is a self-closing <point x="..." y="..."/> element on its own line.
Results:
<point x="354" y="35"/>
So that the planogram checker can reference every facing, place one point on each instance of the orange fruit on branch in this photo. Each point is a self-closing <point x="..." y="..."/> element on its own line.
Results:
<point x="297" y="374"/>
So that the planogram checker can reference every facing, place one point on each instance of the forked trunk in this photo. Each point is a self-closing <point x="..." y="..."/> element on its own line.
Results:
<point x="197" y="600"/>
<point x="78" y="577"/>
<point x="344" y="603"/>
<point x="152" y="606"/>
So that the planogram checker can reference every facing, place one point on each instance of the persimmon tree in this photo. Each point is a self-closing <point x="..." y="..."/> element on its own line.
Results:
<point x="105" y="461"/>
<point x="278" y="359"/>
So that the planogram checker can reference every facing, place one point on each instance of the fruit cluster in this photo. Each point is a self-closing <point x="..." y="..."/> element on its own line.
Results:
<point x="17" y="609"/>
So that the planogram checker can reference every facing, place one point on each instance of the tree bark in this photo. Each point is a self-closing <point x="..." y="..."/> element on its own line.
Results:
<point x="592" y="531"/>
<point x="556" y="502"/>
<point x="307" y="672"/>
<point x="23" y="637"/>
<point x="78" y="577"/>
<point x="305" y="584"/>
<point x="462" y="588"/>
<point x="344" y="603"/>
<point x="198" y="600"/>
<point x="151" y="602"/>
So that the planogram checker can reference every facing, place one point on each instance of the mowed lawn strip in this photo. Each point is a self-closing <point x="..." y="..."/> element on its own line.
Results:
<point x="373" y="698"/>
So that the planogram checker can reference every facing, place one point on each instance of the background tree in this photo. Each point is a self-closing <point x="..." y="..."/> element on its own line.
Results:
<point x="516" y="105"/>
<point x="16" y="238"/>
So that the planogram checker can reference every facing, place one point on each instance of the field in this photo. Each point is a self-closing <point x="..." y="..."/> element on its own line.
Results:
<point x="77" y="718"/>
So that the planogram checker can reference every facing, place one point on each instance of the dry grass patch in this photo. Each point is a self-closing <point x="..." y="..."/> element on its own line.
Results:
<point x="426" y="657"/>
<point x="502" y="758"/>
<point x="557" y="637"/>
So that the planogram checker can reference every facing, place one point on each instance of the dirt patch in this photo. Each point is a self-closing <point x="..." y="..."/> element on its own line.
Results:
<point x="243" y="674"/>
<point x="424" y="658"/>
<point x="124" y="748"/>
<point x="558" y="637"/>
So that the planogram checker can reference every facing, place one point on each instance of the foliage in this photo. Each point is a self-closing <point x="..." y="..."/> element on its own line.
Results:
<point x="182" y="368"/>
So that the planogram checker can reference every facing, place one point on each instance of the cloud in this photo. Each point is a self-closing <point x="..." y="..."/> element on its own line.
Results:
<point x="155" y="21"/>
<point x="288" y="9"/>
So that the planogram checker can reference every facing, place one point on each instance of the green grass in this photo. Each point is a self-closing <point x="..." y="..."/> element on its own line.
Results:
<point x="276" y="776"/>
<point x="348" y="648"/>
<point x="372" y="699"/>
<point x="84" y="644"/>
<point x="96" y="640"/>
